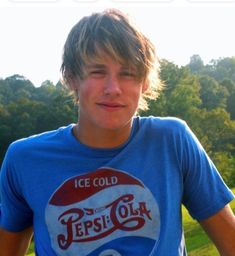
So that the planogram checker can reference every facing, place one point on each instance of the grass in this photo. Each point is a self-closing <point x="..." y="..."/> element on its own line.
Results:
<point x="197" y="242"/>
<point x="31" y="250"/>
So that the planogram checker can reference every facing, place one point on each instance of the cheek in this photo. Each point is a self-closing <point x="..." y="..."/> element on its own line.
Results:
<point x="136" y="93"/>
<point x="134" y="98"/>
<point x="85" y="91"/>
<point x="84" y="96"/>
<point x="90" y="88"/>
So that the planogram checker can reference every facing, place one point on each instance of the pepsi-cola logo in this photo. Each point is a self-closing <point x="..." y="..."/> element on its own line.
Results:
<point x="92" y="211"/>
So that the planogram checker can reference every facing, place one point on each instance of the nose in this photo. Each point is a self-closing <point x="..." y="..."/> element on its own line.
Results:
<point x="112" y="86"/>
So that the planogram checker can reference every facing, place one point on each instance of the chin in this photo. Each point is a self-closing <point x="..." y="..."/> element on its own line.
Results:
<point x="114" y="126"/>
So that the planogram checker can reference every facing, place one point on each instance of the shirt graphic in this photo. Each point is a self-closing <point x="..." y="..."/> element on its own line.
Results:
<point x="106" y="212"/>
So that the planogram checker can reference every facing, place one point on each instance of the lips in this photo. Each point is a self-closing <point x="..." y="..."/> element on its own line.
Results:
<point x="112" y="106"/>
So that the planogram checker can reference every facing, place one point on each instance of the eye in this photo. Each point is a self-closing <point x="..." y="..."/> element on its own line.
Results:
<point x="128" y="74"/>
<point x="97" y="73"/>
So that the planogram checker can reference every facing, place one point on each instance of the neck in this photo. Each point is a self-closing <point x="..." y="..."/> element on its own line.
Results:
<point x="100" y="138"/>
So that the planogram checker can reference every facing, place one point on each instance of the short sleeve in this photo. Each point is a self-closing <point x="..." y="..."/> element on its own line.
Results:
<point x="205" y="192"/>
<point x="15" y="214"/>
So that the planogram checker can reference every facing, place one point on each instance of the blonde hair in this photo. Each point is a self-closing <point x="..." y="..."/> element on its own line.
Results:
<point x="113" y="33"/>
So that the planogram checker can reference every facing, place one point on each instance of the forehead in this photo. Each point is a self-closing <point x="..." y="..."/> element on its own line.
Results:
<point x="107" y="61"/>
<point x="104" y="65"/>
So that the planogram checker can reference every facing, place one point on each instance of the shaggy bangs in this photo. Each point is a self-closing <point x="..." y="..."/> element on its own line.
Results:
<point x="115" y="39"/>
<point x="113" y="34"/>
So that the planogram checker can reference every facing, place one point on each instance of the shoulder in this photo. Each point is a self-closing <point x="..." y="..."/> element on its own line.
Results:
<point x="39" y="141"/>
<point x="163" y="124"/>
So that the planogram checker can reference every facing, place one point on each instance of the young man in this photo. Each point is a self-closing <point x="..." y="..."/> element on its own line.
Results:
<point x="112" y="184"/>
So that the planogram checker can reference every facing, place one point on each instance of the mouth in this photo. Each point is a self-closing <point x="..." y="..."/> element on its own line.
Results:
<point x="110" y="106"/>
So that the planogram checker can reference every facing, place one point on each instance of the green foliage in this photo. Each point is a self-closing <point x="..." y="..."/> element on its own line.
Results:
<point x="226" y="164"/>
<point x="27" y="110"/>
<point x="184" y="98"/>
<point x="222" y="68"/>
<point x="196" y="64"/>
<point x="202" y="95"/>
<point x="230" y="86"/>
<point x="213" y="95"/>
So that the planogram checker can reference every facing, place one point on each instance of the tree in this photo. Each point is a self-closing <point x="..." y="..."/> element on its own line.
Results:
<point x="26" y="110"/>
<point x="225" y="163"/>
<point x="219" y="129"/>
<point x="196" y="64"/>
<point x="221" y="69"/>
<point x="213" y="95"/>
<point x="171" y="74"/>
<point x="230" y="86"/>
<point x="184" y="98"/>
<point x="202" y="95"/>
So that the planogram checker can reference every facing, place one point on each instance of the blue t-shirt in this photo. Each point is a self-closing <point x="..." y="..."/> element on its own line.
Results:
<point x="125" y="201"/>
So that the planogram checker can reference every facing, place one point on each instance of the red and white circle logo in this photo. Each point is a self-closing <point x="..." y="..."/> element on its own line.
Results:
<point x="97" y="213"/>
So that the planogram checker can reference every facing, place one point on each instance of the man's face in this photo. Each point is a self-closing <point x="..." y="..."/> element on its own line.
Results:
<point x="108" y="96"/>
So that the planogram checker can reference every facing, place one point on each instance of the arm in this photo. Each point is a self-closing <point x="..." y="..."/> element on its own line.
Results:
<point x="221" y="229"/>
<point x="15" y="243"/>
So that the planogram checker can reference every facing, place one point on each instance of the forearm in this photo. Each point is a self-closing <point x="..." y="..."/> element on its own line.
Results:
<point x="221" y="229"/>
<point x="15" y="243"/>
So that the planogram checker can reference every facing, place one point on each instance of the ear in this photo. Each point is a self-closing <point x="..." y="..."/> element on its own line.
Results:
<point x="144" y="87"/>
<point x="75" y="88"/>
<point x="74" y="84"/>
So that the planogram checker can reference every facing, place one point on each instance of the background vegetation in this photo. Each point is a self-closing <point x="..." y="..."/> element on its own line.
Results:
<point x="203" y="95"/>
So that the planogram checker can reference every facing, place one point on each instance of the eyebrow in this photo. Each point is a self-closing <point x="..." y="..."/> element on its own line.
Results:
<point x="103" y="66"/>
<point x="95" y="66"/>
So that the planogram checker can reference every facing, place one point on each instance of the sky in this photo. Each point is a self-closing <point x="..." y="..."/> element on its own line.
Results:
<point x="33" y="32"/>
